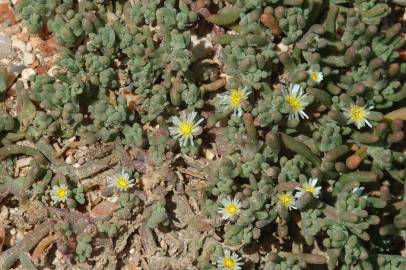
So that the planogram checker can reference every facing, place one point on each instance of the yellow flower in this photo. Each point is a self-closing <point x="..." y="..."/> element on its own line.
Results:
<point x="230" y="209"/>
<point x="295" y="101"/>
<point x="310" y="186"/>
<point x="358" y="115"/>
<point x="287" y="200"/>
<point x="121" y="181"/>
<point x="234" y="99"/>
<point x="230" y="261"/>
<point x="315" y="76"/>
<point x="60" y="193"/>
<point x="185" y="128"/>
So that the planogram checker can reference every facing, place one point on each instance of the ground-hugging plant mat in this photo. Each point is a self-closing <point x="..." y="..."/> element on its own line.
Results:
<point x="238" y="134"/>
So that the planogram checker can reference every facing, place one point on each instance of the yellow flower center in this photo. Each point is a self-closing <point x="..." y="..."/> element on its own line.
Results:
<point x="309" y="188"/>
<point x="186" y="128"/>
<point x="314" y="76"/>
<point x="357" y="113"/>
<point x="286" y="200"/>
<point x="236" y="97"/>
<point x="61" y="193"/>
<point x="122" y="182"/>
<point x="229" y="263"/>
<point x="231" y="209"/>
<point x="294" y="103"/>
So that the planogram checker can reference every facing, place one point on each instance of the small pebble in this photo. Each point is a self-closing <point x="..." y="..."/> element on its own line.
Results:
<point x="112" y="199"/>
<point x="16" y="43"/>
<point x="29" y="58"/>
<point x="5" y="46"/>
<point x="26" y="73"/>
<point x="282" y="47"/>
<point x="20" y="236"/>
<point x="70" y="160"/>
<point x="12" y="30"/>
<point x="58" y="254"/>
<point x="209" y="154"/>
<point x="29" y="47"/>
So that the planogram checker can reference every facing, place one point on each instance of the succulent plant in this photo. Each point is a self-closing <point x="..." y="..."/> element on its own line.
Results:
<point x="291" y="116"/>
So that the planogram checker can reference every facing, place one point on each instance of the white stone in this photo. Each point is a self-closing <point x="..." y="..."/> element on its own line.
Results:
<point x="209" y="154"/>
<point x="70" y="160"/>
<point x="28" y="58"/>
<point x="26" y="73"/>
<point x="282" y="47"/>
<point x="28" y="47"/>
<point x="112" y="199"/>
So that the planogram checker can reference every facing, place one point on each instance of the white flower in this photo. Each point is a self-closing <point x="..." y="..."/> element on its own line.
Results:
<point x="295" y="100"/>
<point x="234" y="99"/>
<point x="358" y="191"/>
<point x="230" y="261"/>
<point x="315" y="76"/>
<point x="287" y="200"/>
<point x="230" y="209"/>
<point x="121" y="181"/>
<point x="185" y="127"/>
<point x="60" y="193"/>
<point x="358" y="115"/>
<point x="310" y="186"/>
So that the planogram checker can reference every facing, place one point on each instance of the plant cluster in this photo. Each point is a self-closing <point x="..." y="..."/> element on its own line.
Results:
<point x="303" y="102"/>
